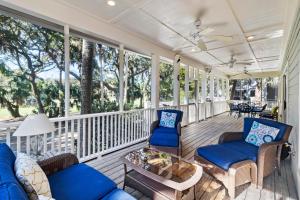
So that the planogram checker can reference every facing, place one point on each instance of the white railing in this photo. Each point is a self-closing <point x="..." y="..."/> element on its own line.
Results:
<point x="196" y="112"/>
<point x="87" y="136"/>
<point x="92" y="135"/>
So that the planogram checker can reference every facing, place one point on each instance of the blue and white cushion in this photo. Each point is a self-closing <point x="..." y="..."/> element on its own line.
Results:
<point x="167" y="119"/>
<point x="260" y="134"/>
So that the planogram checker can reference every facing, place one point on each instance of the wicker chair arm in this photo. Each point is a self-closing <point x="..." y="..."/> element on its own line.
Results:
<point x="153" y="126"/>
<point x="264" y="148"/>
<point x="58" y="163"/>
<point x="230" y="136"/>
<point x="268" y="159"/>
<point x="179" y="129"/>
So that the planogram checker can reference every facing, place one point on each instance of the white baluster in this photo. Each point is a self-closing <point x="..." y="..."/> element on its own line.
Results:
<point x="72" y="136"/>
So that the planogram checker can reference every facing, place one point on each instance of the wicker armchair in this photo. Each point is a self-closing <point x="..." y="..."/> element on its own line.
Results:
<point x="259" y="163"/>
<point x="166" y="139"/>
<point x="58" y="163"/>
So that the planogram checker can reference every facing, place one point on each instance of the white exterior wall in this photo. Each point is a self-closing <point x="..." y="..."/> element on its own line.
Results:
<point x="292" y="64"/>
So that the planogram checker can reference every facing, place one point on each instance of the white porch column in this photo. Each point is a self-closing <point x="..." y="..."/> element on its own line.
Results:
<point x="121" y="77"/>
<point x="186" y="92"/>
<point x="203" y="92"/>
<point x="176" y="85"/>
<point x="155" y="81"/>
<point x="197" y="96"/>
<point x="67" y="69"/>
<point x="227" y="90"/>
<point x="212" y="94"/>
<point x="218" y="88"/>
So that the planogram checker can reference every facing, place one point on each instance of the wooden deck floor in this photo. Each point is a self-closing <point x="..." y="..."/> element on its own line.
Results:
<point x="200" y="134"/>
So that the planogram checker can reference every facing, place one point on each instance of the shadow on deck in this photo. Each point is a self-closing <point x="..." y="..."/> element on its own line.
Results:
<point x="200" y="134"/>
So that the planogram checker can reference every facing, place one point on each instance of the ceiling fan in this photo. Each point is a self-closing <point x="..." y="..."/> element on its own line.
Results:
<point x="201" y="32"/>
<point x="245" y="72"/>
<point x="234" y="61"/>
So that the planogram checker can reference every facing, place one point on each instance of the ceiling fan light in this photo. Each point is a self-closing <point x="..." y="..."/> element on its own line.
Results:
<point x="251" y="37"/>
<point x="111" y="2"/>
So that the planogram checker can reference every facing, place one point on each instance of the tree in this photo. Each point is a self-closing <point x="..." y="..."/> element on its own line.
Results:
<point x="14" y="89"/>
<point x="31" y="48"/>
<point x="166" y="81"/>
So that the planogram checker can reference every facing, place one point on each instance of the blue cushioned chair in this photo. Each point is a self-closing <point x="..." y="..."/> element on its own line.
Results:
<point x="235" y="162"/>
<point x="166" y="139"/>
<point x="68" y="179"/>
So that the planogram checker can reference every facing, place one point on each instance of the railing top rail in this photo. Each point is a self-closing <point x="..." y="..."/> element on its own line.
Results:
<point x="76" y="117"/>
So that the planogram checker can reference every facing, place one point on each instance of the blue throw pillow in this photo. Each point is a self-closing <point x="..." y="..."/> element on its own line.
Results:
<point x="168" y="119"/>
<point x="260" y="134"/>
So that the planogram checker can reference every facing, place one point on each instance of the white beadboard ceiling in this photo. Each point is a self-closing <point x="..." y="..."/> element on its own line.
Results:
<point x="169" y="23"/>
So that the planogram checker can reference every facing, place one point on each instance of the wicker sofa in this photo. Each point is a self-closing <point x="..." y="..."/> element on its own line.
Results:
<point x="235" y="162"/>
<point x="166" y="139"/>
<point x="69" y="179"/>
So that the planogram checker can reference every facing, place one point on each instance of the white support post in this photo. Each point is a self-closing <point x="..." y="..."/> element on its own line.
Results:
<point x="227" y="90"/>
<point x="197" y="98"/>
<point x="203" y="91"/>
<point x="121" y="77"/>
<point x="212" y="94"/>
<point x="186" y="92"/>
<point x="176" y="86"/>
<point x="218" y="88"/>
<point x="67" y="69"/>
<point x="155" y="81"/>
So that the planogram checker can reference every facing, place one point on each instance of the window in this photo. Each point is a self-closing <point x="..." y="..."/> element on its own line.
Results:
<point x="137" y="80"/>
<point x="215" y="87"/>
<point x="31" y="69"/>
<point x="166" y="83"/>
<point x="94" y="76"/>
<point x="182" y="83"/>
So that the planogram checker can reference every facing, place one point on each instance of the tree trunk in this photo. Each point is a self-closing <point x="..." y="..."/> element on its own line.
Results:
<point x="13" y="109"/>
<point x="234" y="83"/>
<point x="88" y="49"/>
<point x="37" y="95"/>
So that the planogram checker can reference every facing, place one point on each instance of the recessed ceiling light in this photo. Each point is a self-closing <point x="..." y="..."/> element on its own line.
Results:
<point x="251" y="37"/>
<point x="193" y="49"/>
<point x="111" y="3"/>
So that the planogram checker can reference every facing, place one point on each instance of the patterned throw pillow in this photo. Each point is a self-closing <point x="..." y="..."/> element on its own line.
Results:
<point x="167" y="119"/>
<point x="260" y="134"/>
<point x="32" y="177"/>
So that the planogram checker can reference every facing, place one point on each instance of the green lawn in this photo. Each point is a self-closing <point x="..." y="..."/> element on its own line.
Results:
<point x="4" y="114"/>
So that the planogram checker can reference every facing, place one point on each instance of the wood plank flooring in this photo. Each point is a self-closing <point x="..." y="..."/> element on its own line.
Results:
<point x="199" y="134"/>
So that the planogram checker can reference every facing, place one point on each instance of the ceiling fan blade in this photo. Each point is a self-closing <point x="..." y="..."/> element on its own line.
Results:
<point x="244" y="63"/>
<point x="207" y="30"/>
<point x="236" y="75"/>
<point x="221" y="38"/>
<point x="201" y="45"/>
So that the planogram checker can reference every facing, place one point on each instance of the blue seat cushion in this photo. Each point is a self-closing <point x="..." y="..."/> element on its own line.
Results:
<point x="9" y="186"/>
<point x="165" y="130"/>
<point x="80" y="182"/>
<point x="226" y="154"/>
<point x="118" y="194"/>
<point x="249" y="121"/>
<point x="164" y="139"/>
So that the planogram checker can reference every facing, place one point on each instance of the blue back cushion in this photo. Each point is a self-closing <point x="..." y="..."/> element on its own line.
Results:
<point x="9" y="185"/>
<point x="178" y="116"/>
<point x="248" y="124"/>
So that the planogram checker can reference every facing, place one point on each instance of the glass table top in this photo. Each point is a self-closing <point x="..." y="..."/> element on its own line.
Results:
<point x="162" y="164"/>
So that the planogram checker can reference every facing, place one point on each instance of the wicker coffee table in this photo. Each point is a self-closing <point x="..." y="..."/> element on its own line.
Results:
<point x="160" y="175"/>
